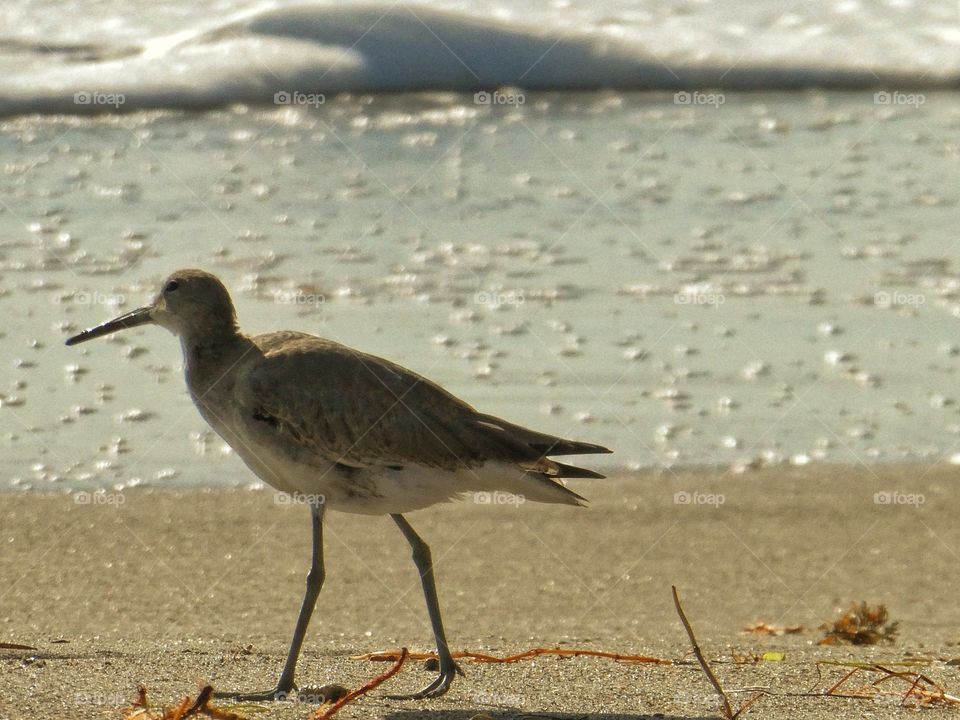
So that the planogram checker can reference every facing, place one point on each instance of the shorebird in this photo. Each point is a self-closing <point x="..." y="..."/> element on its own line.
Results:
<point x="348" y="431"/>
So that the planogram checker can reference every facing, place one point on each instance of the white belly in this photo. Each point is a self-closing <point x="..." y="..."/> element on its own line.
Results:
<point x="381" y="491"/>
<point x="376" y="490"/>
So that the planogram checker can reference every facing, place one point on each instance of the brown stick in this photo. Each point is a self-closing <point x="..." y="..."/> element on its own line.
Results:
<point x="392" y="655"/>
<point x="15" y="646"/>
<point x="727" y="710"/>
<point x="326" y="713"/>
<point x="200" y="704"/>
<point x="832" y="690"/>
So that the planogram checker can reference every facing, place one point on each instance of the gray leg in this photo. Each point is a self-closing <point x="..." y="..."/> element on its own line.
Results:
<point x="424" y="563"/>
<point x="314" y="583"/>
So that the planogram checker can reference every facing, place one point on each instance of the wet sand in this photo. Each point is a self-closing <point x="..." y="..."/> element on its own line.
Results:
<point x="176" y="588"/>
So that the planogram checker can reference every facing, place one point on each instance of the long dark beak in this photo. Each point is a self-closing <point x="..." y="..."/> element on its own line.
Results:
<point x="140" y="316"/>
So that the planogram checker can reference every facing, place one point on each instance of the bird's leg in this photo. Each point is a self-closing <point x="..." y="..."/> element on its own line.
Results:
<point x="424" y="563"/>
<point x="314" y="583"/>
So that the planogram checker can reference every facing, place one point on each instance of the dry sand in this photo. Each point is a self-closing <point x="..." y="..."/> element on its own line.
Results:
<point x="174" y="589"/>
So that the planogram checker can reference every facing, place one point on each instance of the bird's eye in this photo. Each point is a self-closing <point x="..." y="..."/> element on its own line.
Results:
<point x="171" y="286"/>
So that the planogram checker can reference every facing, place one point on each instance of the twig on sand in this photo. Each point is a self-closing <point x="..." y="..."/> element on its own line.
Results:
<point x="15" y="646"/>
<point x="201" y="707"/>
<point x="392" y="655"/>
<point x="921" y="690"/>
<point x="728" y="712"/>
<point x="184" y="709"/>
<point x="323" y="713"/>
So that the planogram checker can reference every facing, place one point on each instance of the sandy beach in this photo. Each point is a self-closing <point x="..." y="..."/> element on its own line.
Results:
<point x="177" y="588"/>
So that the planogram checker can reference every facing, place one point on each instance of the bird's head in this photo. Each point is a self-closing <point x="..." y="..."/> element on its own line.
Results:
<point x="190" y="304"/>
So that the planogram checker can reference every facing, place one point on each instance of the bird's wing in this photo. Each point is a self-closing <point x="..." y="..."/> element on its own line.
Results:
<point x="357" y="409"/>
<point x="360" y="410"/>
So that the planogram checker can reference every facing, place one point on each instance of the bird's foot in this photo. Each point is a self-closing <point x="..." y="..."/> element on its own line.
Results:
<point x="278" y="693"/>
<point x="448" y="671"/>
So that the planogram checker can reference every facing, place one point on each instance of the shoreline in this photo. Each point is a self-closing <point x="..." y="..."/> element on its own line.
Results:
<point x="744" y="470"/>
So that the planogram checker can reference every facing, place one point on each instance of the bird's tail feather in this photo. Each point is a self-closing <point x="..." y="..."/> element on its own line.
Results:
<point x="531" y="442"/>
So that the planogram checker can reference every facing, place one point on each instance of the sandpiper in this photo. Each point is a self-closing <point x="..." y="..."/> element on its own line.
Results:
<point x="349" y="431"/>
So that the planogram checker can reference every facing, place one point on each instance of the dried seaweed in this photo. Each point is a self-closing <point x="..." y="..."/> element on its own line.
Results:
<point x="861" y="624"/>
<point x="198" y="707"/>
<point x="916" y="689"/>
<point x="762" y="628"/>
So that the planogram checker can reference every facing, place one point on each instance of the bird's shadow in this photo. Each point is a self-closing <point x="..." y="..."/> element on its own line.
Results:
<point x="502" y="714"/>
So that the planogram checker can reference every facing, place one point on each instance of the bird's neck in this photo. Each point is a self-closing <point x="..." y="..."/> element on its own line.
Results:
<point x="207" y="355"/>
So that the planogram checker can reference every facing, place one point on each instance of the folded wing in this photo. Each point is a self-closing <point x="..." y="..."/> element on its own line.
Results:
<point x="362" y="411"/>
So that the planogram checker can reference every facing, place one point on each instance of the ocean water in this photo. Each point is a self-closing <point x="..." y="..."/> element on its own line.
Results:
<point x="691" y="275"/>
<point x="93" y="57"/>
